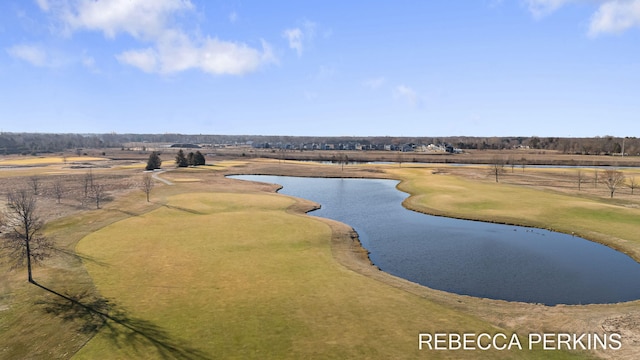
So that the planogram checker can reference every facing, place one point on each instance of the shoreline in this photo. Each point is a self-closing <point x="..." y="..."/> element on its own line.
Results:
<point x="356" y="247"/>
<point x="515" y="316"/>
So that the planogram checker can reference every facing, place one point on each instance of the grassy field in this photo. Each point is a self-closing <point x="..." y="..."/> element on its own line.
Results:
<point x="230" y="275"/>
<point x="236" y="276"/>
<point x="614" y="222"/>
<point x="216" y="268"/>
<point x="46" y="160"/>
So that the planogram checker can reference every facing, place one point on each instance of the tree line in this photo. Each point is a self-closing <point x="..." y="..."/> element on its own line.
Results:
<point x="191" y="159"/>
<point x="31" y="143"/>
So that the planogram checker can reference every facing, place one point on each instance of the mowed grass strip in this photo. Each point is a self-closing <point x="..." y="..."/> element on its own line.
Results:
<point x="603" y="220"/>
<point x="238" y="276"/>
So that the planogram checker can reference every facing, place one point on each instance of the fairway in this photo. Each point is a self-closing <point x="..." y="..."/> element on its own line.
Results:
<point x="237" y="276"/>
<point x="42" y="160"/>
<point x="221" y="268"/>
<point x="458" y="197"/>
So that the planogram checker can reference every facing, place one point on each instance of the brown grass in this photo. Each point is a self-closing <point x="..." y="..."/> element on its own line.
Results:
<point x="21" y="304"/>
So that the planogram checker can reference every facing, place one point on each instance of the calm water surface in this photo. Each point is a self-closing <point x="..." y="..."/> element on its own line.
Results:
<point x="469" y="257"/>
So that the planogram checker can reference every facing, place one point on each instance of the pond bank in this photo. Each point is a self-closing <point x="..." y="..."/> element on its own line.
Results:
<point x="522" y="317"/>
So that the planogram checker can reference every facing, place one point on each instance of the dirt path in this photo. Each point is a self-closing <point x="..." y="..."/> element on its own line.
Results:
<point x="156" y="177"/>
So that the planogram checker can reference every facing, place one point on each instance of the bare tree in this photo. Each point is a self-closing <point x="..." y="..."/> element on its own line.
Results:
<point x="595" y="178"/>
<point x="147" y="184"/>
<point x="400" y="158"/>
<point x="344" y="160"/>
<point x="632" y="183"/>
<point x="98" y="194"/>
<point x="523" y="163"/>
<point x="612" y="179"/>
<point x="22" y="238"/>
<point x="87" y="183"/>
<point x="58" y="190"/>
<point x="34" y="181"/>
<point x="581" y="179"/>
<point x="497" y="167"/>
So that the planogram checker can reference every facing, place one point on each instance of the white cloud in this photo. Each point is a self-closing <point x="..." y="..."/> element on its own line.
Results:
<point x="325" y="72"/>
<point x="309" y="29"/>
<point x="88" y="61"/>
<point x="176" y="52"/>
<point x="615" y="17"/>
<point x="300" y="37"/>
<point x="145" y="60"/>
<point x="138" y="18"/>
<point x="406" y="93"/>
<point x="294" y="36"/>
<point x="541" y="8"/>
<point x="222" y="57"/>
<point x="233" y="17"/>
<point x="375" y="83"/>
<point x="33" y="54"/>
<point x="43" y="4"/>
<point x="612" y="16"/>
<point x="169" y="49"/>
<point x="40" y="56"/>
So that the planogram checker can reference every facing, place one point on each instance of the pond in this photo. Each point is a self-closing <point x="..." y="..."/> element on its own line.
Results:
<point x="468" y="257"/>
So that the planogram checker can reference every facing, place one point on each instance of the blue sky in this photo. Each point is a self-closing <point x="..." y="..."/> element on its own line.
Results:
<point x="567" y="68"/>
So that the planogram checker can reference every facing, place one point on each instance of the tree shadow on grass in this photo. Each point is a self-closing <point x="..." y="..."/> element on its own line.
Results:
<point x="76" y="256"/>
<point x="126" y="212"/>
<point x="95" y="314"/>
<point x="179" y="208"/>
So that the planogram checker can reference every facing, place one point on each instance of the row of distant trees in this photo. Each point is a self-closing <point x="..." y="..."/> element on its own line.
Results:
<point x="606" y="145"/>
<point x="21" y="225"/>
<point x="88" y="188"/>
<point x="32" y="143"/>
<point x="613" y="179"/>
<point x="25" y="143"/>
